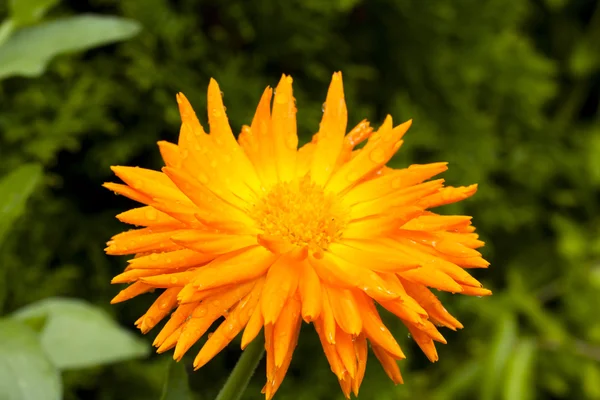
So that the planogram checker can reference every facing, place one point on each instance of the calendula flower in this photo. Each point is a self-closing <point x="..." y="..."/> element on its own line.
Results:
<point x="266" y="235"/>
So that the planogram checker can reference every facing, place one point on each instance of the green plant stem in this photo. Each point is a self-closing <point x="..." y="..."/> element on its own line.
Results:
<point x="243" y="371"/>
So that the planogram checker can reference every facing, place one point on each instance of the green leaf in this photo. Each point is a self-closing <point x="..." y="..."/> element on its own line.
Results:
<point x="176" y="385"/>
<point x="29" y="49"/>
<point x="79" y="335"/>
<point x="519" y="383"/>
<point x="26" y="373"/>
<point x="24" y="12"/>
<point x="16" y="187"/>
<point x="501" y="346"/>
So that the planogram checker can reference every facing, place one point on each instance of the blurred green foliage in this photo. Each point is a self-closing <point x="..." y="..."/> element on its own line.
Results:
<point x="507" y="91"/>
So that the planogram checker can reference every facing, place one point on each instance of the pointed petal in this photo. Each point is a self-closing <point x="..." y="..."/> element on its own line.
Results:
<point x="331" y="132"/>
<point x="236" y="320"/>
<point x="285" y="138"/>
<point x="281" y="283"/>
<point x="389" y="364"/>
<point x="310" y="292"/>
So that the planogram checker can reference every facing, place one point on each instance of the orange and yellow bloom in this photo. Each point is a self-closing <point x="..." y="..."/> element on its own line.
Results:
<point x="266" y="235"/>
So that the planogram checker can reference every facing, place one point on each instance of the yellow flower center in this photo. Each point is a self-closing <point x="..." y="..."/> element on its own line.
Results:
<point x="301" y="213"/>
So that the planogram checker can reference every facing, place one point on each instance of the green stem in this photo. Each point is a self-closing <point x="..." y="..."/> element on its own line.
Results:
<point x="243" y="371"/>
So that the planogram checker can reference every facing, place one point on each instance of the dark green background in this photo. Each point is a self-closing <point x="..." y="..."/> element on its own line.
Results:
<point x="506" y="91"/>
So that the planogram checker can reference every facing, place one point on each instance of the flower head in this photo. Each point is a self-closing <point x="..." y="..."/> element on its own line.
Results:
<point x="266" y="235"/>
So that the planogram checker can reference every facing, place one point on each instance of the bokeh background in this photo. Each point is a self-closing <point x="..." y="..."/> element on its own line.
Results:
<point x="506" y="91"/>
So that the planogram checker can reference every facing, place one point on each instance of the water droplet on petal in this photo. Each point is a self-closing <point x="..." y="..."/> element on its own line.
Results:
<point x="210" y="335"/>
<point x="222" y="94"/>
<point x="409" y="336"/>
<point x="154" y="256"/>
<point x="200" y="311"/>
<point x="174" y="280"/>
<point x="323" y="107"/>
<point x="216" y="113"/>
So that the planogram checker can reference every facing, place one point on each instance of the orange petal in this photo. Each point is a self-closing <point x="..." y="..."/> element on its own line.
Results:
<point x="177" y="318"/>
<point x="205" y="314"/>
<point x="179" y="259"/>
<point x="158" y="310"/>
<point x="374" y="328"/>
<point x="345" y="310"/>
<point x="236" y="320"/>
<point x="431" y="304"/>
<point x="448" y="195"/>
<point x="281" y="283"/>
<point x="344" y="346"/>
<point x="134" y="275"/>
<point x="224" y="139"/>
<point x="310" y="292"/>
<point x="285" y="138"/>
<point x="376" y="153"/>
<point x="373" y="255"/>
<point x="255" y="324"/>
<point x="241" y="266"/>
<point x="169" y="153"/>
<point x="128" y="192"/>
<point x="337" y="367"/>
<point x="337" y="271"/>
<point x="331" y="132"/>
<point x="284" y="330"/>
<point x="148" y="216"/>
<point x="360" y="349"/>
<point x="135" y="289"/>
<point x="389" y="364"/>
<point x="211" y="242"/>
<point x="398" y="179"/>
<point x="262" y="131"/>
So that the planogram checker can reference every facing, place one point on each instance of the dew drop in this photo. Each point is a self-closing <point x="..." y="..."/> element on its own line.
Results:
<point x="154" y="256"/>
<point x="217" y="113"/>
<point x="209" y="335"/>
<point x="323" y="107"/>
<point x="222" y="94"/>
<point x="174" y="280"/>
<point x="377" y="156"/>
<point x="164" y="305"/>
<point x="201" y="311"/>
<point x="409" y="336"/>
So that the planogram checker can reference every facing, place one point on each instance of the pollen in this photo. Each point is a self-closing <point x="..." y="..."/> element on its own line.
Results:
<point x="301" y="213"/>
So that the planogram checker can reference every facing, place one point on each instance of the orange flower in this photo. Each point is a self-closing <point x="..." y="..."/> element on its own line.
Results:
<point x="267" y="235"/>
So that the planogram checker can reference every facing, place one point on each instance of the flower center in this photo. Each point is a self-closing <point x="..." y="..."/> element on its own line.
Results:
<point x="301" y="213"/>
